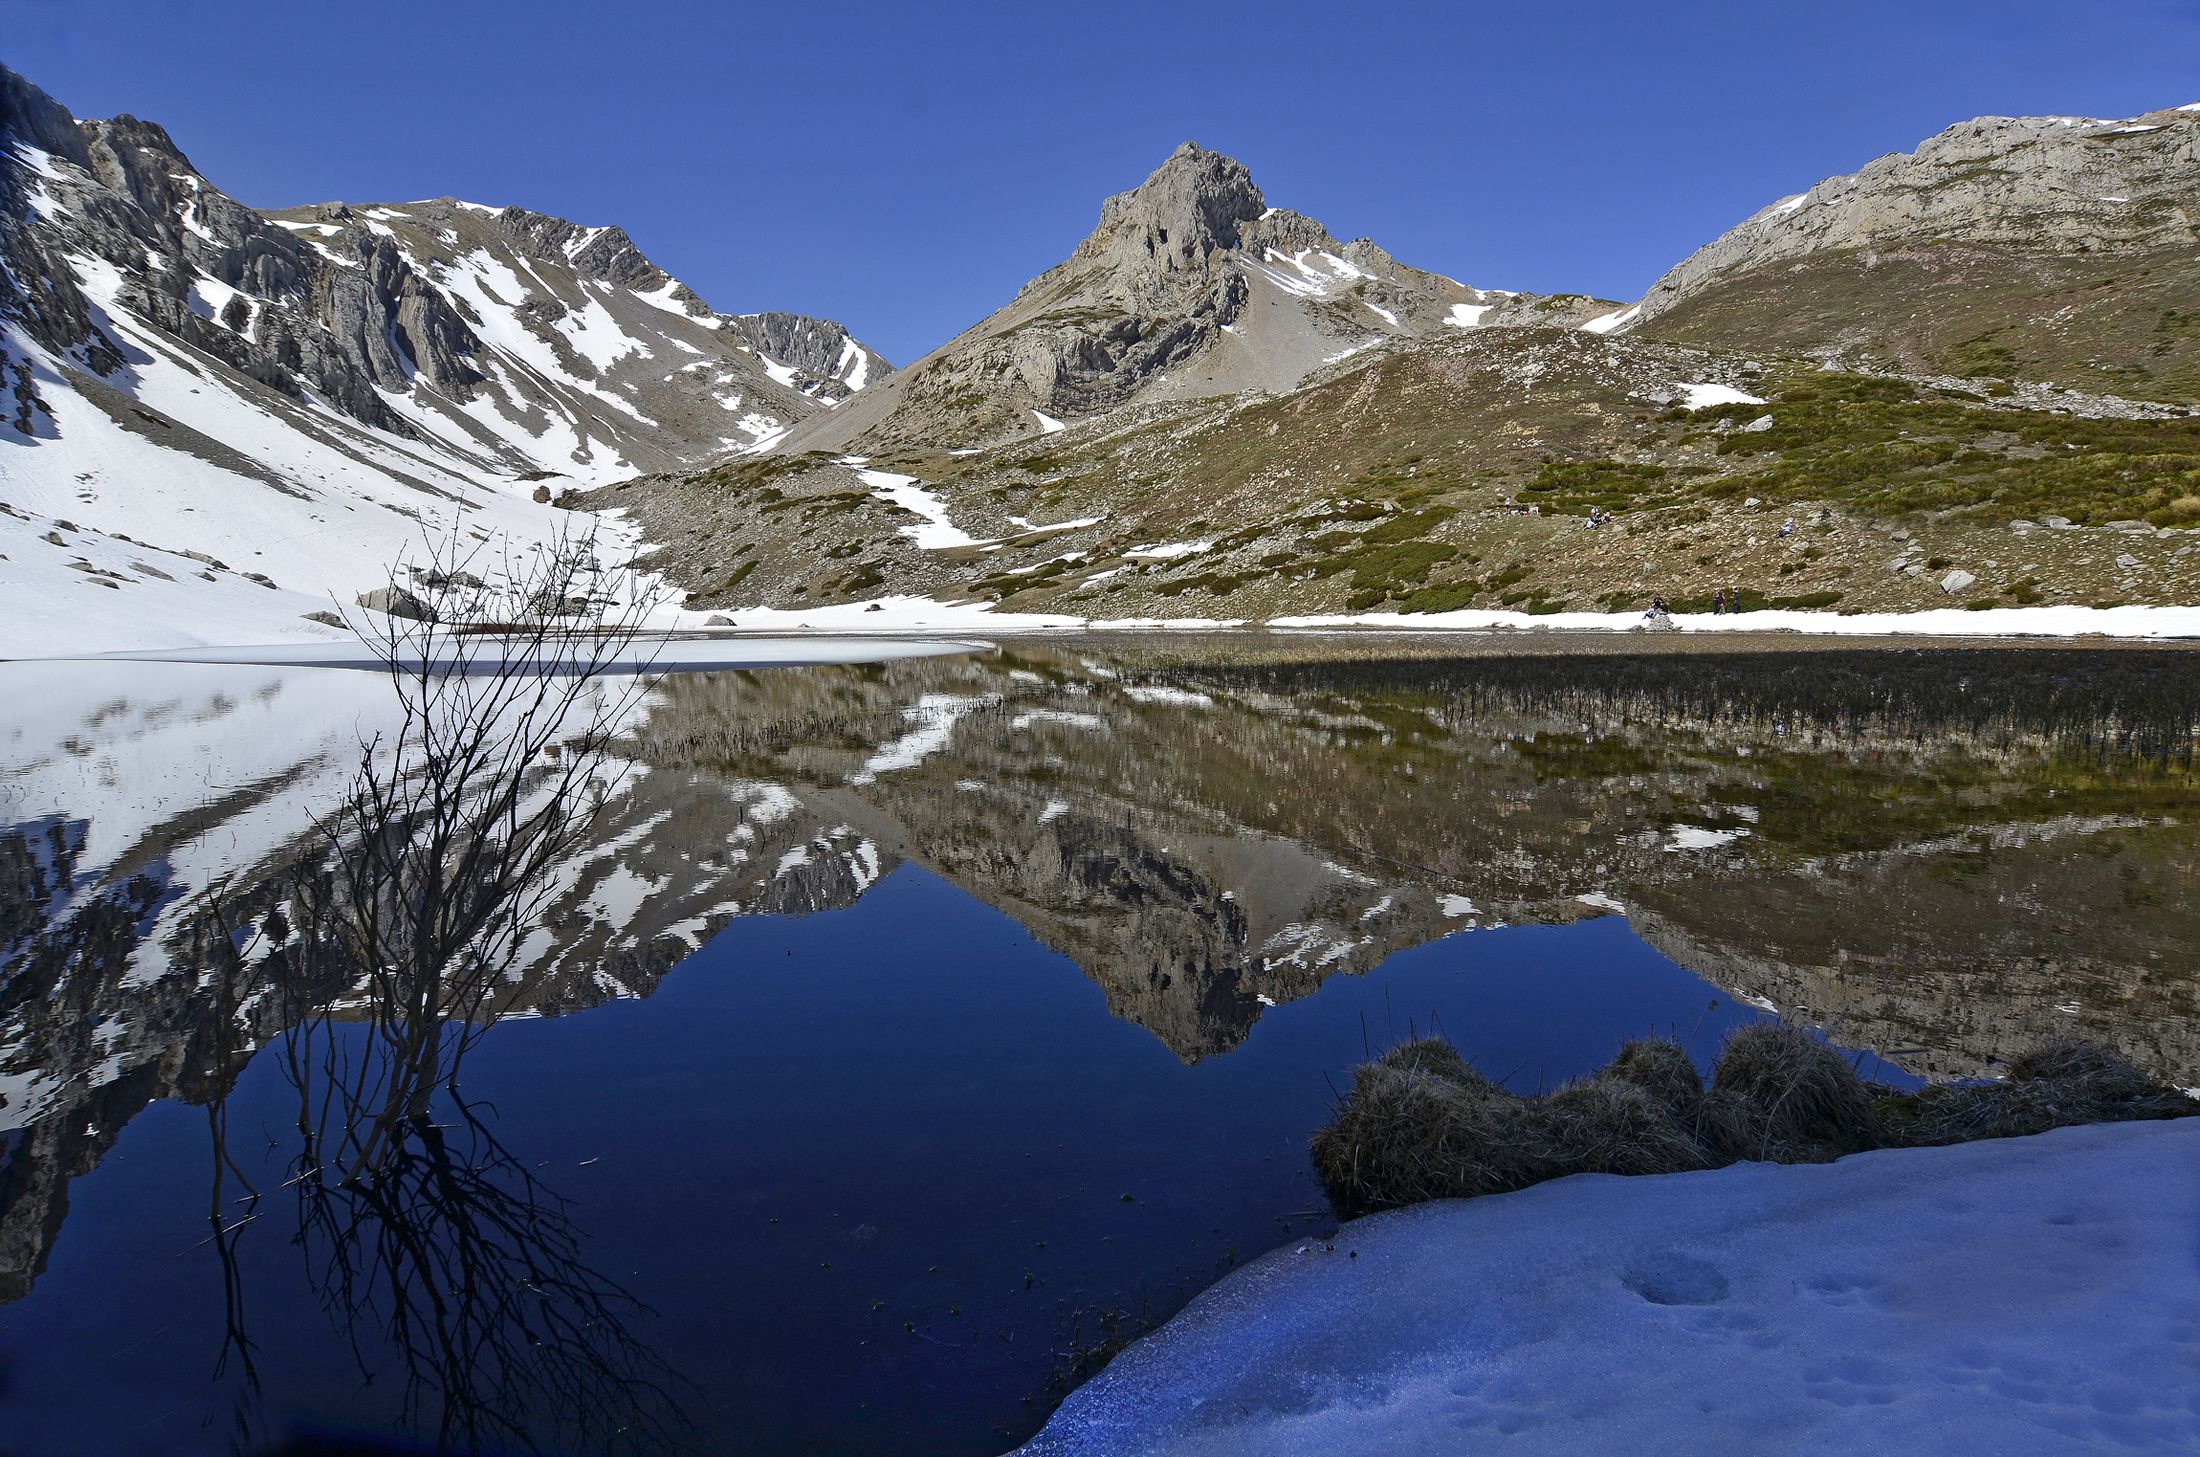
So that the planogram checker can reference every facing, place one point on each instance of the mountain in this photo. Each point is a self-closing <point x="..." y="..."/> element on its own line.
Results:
<point x="307" y="386"/>
<point x="1967" y="376"/>
<point x="1963" y="377"/>
<point x="2053" y="249"/>
<point x="1190" y="287"/>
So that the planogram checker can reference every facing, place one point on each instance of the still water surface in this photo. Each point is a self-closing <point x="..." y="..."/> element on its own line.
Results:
<point x="902" y="1032"/>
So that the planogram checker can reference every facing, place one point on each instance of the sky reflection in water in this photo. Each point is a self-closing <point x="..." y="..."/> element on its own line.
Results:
<point x="862" y="1158"/>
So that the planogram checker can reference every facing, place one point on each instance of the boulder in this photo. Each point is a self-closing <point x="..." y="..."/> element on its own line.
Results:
<point x="395" y="601"/>
<point x="1956" y="581"/>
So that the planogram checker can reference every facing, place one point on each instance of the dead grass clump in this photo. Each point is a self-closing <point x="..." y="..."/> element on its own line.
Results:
<point x="1779" y="1093"/>
<point x="1609" y="1126"/>
<point x="1660" y="1068"/>
<point x="2100" y="1071"/>
<point x="1421" y="1124"/>
<point x="2059" y="1085"/>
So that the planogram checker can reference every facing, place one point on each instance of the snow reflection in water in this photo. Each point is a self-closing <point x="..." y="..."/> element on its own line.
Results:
<point x="1106" y="929"/>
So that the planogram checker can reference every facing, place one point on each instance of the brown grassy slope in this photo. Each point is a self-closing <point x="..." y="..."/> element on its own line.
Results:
<point x="2126" y="324"/>
<point x="1386" y="485"/>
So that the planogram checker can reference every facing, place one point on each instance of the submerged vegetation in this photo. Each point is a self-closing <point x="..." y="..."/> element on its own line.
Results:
<point x="1420" y="1123"/>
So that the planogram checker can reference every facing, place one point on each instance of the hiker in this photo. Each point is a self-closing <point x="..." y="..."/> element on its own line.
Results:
<point x="1718" y="602"/>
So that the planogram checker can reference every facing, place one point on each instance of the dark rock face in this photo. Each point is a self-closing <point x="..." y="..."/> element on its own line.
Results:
<point x="829" y="364"/>
<point x="336" y="331"/>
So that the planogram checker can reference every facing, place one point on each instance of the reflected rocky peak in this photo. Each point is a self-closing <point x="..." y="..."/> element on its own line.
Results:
<point x="1944" y="854"/>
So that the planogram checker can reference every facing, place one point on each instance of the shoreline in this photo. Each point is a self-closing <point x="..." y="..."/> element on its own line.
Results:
<point x="914" y="620"/>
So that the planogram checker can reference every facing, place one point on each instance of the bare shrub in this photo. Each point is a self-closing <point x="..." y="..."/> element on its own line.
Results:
<point x="430" y="1244"/>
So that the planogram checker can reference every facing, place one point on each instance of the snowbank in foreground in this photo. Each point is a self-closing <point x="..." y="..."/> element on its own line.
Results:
<point x="2017" y="1295"/>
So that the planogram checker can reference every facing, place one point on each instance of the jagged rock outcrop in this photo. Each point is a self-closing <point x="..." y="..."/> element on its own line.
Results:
<point x="1190" y="286"/>
<point x="505" y="337"/>
<point x="323" y="386"/>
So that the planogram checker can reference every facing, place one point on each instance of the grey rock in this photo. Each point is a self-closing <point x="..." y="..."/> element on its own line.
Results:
<point x="2055" y="185"/>
<point x="1956" y="581"/>
<point x="1189" y="287"/>
<point x="325" y="618"/>
<point x="719" y="619"/>
<point x="394" y="601"/>
<point x="354" y="303"/>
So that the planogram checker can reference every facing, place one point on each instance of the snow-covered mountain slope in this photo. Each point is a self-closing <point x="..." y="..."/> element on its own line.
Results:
<point x="301" y="396"/>
<point x="1190" y="287"/>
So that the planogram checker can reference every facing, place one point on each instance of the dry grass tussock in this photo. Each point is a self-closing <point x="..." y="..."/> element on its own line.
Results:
<point x="1420" y="1123"/>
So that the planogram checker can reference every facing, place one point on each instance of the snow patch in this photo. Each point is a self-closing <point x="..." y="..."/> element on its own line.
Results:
<point x="1704" y="396"/>
<point x="1618" y="318"/>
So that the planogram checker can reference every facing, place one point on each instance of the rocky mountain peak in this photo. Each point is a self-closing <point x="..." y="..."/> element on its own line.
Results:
<point x="1192" y="206"/>
<point x="29" y="115"/>
<point x="604" y="253"/>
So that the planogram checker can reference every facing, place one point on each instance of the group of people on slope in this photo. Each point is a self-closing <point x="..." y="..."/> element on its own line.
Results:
<point x="1723" y="600"/>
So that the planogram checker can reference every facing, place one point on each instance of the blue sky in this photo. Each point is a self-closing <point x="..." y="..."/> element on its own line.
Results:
<point x="905" y="167"/>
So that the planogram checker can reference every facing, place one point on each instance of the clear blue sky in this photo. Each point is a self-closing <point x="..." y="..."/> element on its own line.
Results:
<point x="905" y="167"/>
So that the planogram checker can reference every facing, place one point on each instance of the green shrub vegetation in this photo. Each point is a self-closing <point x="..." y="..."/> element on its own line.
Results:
<point x="1885" y="447"/>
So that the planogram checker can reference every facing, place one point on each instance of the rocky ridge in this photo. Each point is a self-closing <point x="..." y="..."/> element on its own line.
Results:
<point x="2045" y="249"/>
<point x="1190" y="287"/>
<point x="187" y="383"/>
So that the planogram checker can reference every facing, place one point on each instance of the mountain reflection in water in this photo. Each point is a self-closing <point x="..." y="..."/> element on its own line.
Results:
<point x="1939" y="855"/>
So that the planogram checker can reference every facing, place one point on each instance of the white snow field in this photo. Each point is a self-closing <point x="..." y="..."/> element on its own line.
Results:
<point x="925" y="616"/>
<point x="2013" y="1296"/>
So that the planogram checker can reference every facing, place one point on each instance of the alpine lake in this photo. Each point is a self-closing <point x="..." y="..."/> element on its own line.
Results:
<point x="901" y="1039"/>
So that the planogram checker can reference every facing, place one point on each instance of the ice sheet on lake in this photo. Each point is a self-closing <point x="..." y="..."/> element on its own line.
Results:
<point x="642" y="655"/>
